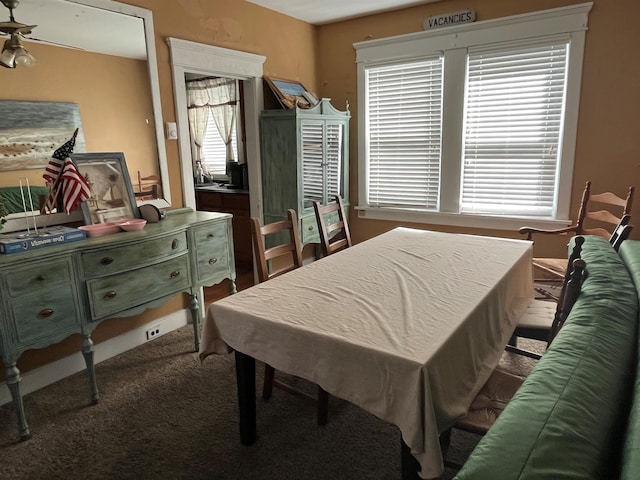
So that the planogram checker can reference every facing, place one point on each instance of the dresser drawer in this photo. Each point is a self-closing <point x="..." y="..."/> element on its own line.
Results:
<point x="115" y="293"/>
<point x="309" y="227"/>
<point x="45" y="314"/>
<point x="128" y="257"/>
<point x="212" y="250"/>
<point x="37" y="276"/>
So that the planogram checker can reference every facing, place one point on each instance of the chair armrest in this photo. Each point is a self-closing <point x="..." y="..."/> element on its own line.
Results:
<point x="529" y="231"/>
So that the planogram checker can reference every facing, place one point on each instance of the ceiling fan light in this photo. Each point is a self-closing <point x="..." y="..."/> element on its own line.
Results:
<point x="8" y="55"/>
<point x="24" y="58"/>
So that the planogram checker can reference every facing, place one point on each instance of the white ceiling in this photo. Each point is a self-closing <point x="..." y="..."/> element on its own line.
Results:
<point x="327" y="11"/>
<point x="84" y="27"/>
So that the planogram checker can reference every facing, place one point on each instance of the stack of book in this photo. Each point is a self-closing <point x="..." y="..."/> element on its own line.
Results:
<point x="16" y="242"/>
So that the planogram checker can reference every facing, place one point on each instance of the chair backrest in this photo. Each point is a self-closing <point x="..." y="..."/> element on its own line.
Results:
<point x="571" y="286"/>
<point x="603" y="216"/>
<point x="334" y="236"/>
<point x="287" y="255"/>
<point x="148" y="187"/>
<point x="621" y="233"/>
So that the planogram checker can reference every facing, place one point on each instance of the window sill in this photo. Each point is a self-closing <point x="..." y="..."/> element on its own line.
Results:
<point x="458" y="220"/>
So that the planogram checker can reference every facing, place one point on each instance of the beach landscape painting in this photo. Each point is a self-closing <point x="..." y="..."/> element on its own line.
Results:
<point x="31" y="131"/>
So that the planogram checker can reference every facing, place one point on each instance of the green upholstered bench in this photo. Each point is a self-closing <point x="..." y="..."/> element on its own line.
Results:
<point x="630" y="254"/>
<point x="569" y="418"/>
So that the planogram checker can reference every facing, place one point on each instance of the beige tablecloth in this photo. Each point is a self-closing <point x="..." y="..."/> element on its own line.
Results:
<point x="407" y="325"/>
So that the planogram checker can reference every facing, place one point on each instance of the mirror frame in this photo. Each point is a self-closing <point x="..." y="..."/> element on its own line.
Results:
<point x="17" y="221"/>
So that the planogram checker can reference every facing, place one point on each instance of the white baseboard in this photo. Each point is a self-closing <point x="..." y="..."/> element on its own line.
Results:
<point x="55" y="371"/>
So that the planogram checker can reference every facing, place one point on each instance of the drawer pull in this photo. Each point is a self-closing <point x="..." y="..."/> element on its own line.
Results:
<point x="310" y="228"/>
<point x="210" y="235"/>
<point x="106" y="261"/>
<point x="174" y="244"/>
<point x="110" y="294"/>
<point x="41" y="278"/>
<point x="213" y="260"/>
<point x="175" y="274"/>
<point x="45" y="312"/>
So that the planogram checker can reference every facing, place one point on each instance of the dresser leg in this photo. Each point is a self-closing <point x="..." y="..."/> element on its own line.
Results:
<point x="194" y="306"/>
<point x="87" y="352"/>
<point x="13" y="382"/>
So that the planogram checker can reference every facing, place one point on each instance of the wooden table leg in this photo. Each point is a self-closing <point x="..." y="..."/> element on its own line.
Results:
<point x="246" y="380"/>
<point x="410" y="466"/>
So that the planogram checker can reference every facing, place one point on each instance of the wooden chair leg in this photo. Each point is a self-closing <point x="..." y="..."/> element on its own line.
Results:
<point x="323" y="406"/>
<point x="267" y="387"/>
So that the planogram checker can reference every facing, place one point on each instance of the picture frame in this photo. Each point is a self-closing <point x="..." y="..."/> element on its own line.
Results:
<point x="112" y="196"/>
<point x="291" y="93"/>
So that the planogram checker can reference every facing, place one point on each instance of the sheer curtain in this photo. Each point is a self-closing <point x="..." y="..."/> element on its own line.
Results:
<point x="218" y="96"/>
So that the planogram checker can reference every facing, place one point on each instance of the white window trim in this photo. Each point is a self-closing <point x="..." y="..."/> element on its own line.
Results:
<point x="572" y="19"/>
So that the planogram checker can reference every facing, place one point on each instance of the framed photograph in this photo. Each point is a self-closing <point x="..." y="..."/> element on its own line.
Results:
<point x="291" y="93"/>
<point x="112" y="196"/>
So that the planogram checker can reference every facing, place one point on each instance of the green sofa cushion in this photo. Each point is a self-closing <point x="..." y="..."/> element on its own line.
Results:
<point x="566" y="420"/>
<point x="630" y="254"/>
<point x="12" y="198"/>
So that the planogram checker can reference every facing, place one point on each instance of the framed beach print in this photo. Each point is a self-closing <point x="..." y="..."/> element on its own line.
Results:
<point x="291" y="93"/>
<point x="112" y="196"/>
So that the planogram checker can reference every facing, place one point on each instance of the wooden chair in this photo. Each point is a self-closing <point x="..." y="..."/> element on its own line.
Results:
<point x="148" y="188"/>
<point x="334" y="236"/>
<point x="496" y="393"/>
<point x="555" y="268"/>
<point x="537" y="321"/>
<point x="288" y="256"/>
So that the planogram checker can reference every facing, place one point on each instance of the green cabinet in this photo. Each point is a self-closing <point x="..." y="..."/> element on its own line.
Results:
<point x="305" y="158"/>
<point x="51" y="293"/>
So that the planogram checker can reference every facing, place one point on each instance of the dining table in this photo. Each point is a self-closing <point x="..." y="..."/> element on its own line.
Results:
<point x="407" y="325"/>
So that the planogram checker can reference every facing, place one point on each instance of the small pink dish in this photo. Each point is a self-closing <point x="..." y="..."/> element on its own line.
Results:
<point x="99" y="229"/>
<point x="133" y="224"/>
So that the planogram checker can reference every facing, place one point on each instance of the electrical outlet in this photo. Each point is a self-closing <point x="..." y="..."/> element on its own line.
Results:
<point x="153" y="332"/>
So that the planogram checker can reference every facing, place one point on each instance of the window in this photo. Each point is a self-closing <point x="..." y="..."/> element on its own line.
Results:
<point x="214" y="151"/>
<point x="473" y="124"/>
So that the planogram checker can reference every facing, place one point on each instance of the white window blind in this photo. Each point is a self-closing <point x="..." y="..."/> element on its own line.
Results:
<point x="404" y="113"/>
<point x="515" y="100"/>
<point x="214" y="153"/>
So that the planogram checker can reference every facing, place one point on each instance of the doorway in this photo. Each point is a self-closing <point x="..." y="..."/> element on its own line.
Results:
<point x="190" y="58"/>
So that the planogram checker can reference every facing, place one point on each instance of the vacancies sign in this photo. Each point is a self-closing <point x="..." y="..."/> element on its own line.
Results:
<point x="449" y="19"/>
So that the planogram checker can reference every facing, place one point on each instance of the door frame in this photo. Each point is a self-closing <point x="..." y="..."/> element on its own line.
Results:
<point x="198" y="58"/>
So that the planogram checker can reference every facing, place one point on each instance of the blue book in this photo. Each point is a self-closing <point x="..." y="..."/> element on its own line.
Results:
<point x="16" y="242"/>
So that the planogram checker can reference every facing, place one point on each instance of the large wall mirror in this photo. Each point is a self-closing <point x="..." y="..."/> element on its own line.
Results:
<point x="99" y="55"/>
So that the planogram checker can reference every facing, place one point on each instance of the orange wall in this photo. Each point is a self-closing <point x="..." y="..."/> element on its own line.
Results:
<point x="289" y="46"/>
<point x="608" y="145"/>
<point x="114" y="98"/>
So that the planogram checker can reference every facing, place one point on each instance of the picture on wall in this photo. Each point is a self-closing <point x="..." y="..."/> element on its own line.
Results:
<point x="31" y="131"/>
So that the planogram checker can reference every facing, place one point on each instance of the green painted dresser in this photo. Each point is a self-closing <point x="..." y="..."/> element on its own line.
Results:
<point x="50" y="293"/>
<point x="305" y="158"/>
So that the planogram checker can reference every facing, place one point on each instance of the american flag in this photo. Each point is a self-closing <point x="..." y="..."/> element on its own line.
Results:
<point x="54" y="168"/>
<point x="75" y="188"/>
<point x="53" y="171"/>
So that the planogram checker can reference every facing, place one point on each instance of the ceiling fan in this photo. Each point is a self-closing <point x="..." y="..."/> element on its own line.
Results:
<point x="13" y="52"/>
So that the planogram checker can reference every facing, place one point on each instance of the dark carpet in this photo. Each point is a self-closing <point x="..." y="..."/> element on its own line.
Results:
<point x="163" y="415"/>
